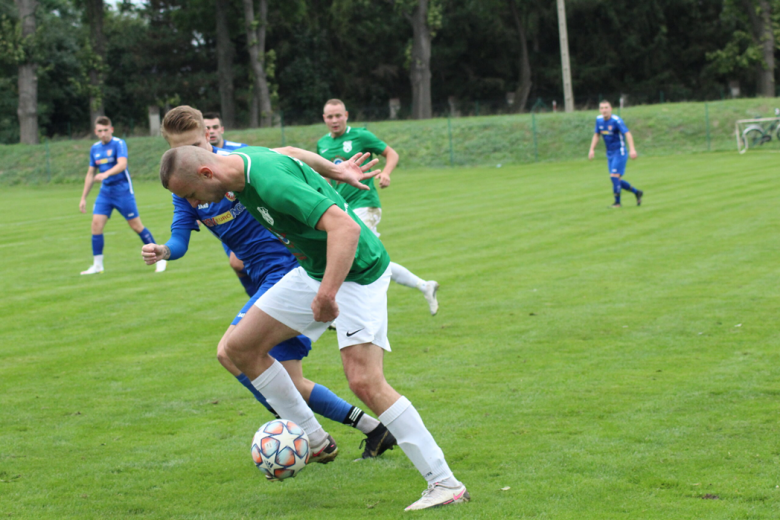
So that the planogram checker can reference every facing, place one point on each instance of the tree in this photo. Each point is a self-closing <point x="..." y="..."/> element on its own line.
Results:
<point x="28" y="79"/>
<point x="225" y="52"/>
<point x="760" y="17"/>
<point x="255" y="35"/>
<point x="94" y="10"/>
<point x="524" y="83"/>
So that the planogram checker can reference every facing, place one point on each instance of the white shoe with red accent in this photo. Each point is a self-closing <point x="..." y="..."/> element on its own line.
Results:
<point x="440" y="495"/>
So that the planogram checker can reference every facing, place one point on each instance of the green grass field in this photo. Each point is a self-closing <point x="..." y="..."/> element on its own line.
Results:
<point x="601" y="364"/>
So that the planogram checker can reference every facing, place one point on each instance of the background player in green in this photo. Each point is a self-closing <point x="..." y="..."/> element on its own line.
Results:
<point x="343" y="278"/>
<point x="345" y="141"/>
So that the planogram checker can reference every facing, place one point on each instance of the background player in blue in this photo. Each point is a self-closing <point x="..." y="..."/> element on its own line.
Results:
<point x="109" y="157"/>
<point x="267" y="260"/>
<point x="616" y="135"/>
<point x="215" y="131"/>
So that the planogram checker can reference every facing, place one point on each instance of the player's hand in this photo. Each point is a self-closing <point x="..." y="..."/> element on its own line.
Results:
<point x="325" y="308"/>
<point x="350" y="172"/>
<point x="153" y="253"/>
<point x="633" y="154"/>
<point x="591" y="155"/>
<point x="384" y="180"/>
<point x="83" y="206"/>
<point x="100" y="177"/>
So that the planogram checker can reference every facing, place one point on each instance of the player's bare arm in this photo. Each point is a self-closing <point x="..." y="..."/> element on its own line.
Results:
<point x="153" y="253"/>
<point x="631" y="150"/>
<point x="392" y="161"/>
<point x="89" y="180"/>
<point x="593" y="143"/>
<point x="349" y="172"/>
<point x="343" y="235"/>
<point x="119" y="167"/>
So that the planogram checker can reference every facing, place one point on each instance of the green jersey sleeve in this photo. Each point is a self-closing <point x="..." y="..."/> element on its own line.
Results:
<point x="371" y="143"/>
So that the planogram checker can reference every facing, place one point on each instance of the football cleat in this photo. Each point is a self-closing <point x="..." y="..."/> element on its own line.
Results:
<point x="438" y="495"/>
<point x="616" y="206"/>
<point x="93" y="270"/>
<point x="431" y="288"/>
<point x="160" y="266"/>
<point x="327" y="453"/>
<point x="639" y="194"/>
<point x="377" y="441"/>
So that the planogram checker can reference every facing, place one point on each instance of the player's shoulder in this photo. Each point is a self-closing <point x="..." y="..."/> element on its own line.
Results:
<point x="96" y="144"/>
<point x="117" y="140"/>
<point x="600" y="118"/>
<point x="233" y="144"/>
<point x="618" y="119"/>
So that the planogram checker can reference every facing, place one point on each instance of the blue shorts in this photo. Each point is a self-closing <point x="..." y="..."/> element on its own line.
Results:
<point x="295" y="348"/>
<point x="122" y="200"/>
<point x="617" y="163"/>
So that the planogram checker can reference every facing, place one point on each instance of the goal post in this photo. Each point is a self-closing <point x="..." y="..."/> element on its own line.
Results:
<point x="755" y="132"/>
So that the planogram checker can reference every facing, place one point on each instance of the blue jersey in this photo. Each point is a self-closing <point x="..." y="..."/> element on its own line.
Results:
<point x="262" y="253"/>
<point x="230" y="145"/>
<point x="612" y="130"/>
<point x="104" y="157"/>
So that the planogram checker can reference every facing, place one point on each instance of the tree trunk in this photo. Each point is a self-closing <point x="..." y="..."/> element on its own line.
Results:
<point x="420" y="68"/>
<point x="763" y="36"/>
<point x="98" y="41"/>
<point x="255" y="35"/>
<point x="524" y="85"/>
<point x="28" y="79"/>
<point x="225" y="54"/>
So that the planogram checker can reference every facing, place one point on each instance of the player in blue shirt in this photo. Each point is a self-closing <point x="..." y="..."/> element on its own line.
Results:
<point x="214" y="132"/>
<point x="109" y="157"/>
<point x="266" y="260"/>
<point x="616" y="136"/>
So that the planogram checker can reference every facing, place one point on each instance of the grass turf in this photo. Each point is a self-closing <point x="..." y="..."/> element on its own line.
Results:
<point x="601" y="364"/>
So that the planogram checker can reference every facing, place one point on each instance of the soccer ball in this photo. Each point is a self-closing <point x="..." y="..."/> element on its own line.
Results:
<point x="280" y="449"/>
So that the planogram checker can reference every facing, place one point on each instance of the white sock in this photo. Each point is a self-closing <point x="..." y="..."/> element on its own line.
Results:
<point x="98" y="261"/>
<point x="416" y="441"/>
<point x="404" y="276"/>
<point x="366" y="424"/>
<point x="277" y="387"/>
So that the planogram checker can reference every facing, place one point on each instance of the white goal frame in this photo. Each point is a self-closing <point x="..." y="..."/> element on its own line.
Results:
<point x="742" y="145"/>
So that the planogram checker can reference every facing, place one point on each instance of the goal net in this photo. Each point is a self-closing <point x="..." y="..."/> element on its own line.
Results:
<point x="752" y="133"/>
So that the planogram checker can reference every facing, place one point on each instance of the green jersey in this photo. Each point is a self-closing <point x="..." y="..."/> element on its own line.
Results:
<point x="341" y="148"/>
<point x="289" y="198"/>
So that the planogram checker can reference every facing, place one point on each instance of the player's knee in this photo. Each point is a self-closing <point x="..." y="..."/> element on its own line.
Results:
<point x="222" y="355"/>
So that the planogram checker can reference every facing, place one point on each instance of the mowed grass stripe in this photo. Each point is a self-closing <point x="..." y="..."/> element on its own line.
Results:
<point x="566" y="361"/>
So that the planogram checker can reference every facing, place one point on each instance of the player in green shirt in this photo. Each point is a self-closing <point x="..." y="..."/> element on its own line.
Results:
<point x="344" y="274"/>
<point x="342" y="142"/>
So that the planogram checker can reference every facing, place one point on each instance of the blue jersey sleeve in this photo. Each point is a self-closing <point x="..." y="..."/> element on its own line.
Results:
<point x="92" y="162"/>
<point x="178" y="243"/>
<point x="596" y="128"/>
<point x="621" y="125"/>
<point x="121" y="148"/>
<point x="184" y="215"/>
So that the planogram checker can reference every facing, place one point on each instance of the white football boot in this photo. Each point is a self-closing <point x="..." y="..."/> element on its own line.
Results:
<point x="160" y="266"/>
<point x="438" y="495"/>
<point x="431" y="288"/>
<point x="93" y="270"/>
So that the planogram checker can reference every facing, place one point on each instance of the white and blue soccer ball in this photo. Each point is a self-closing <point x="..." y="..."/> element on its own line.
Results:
<point x="280" y="449"/>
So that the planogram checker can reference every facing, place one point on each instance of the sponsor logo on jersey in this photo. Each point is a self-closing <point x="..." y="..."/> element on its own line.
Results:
<point x="267" y="216"/>
<point x="347" y="146"/>
<point x="338" y="160"/>
<point x="203" y="206"/>
<point x="225" y="217"/>
<point x="103" y="161"/>
<point x="230" y="196"/>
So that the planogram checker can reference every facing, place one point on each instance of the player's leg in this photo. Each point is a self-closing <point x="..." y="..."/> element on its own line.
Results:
<point x="101" y="212"/>
<point x="400" y="274"/>
<point x="636" y="191"/>
<point x="616" y="188"/>
<point x="280" y="314"/>
<point x="362" y="334"/>
<point x="243" y="277"/>
<point x="127" y="207"/>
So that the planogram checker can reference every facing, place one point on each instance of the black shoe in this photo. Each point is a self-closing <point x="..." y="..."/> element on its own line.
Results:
<point x="326" y="454"/>
<point x="378" y="441"/>
<point x="639" y="194"/>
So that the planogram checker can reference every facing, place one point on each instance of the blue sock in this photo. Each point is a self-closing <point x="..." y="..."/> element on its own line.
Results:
<point x="627" y="186"/>
<point x="97" y="245"/>
<point x="248" y="384"/>
<point x="616" y="188"/>
<point x="146" y="236"/>
<point x="328" y="404"/>
<point x="249" y="285"/>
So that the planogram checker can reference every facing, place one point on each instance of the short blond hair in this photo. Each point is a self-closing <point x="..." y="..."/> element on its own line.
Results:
<point x="182" y="119"/>
<point x="334" y="101"/>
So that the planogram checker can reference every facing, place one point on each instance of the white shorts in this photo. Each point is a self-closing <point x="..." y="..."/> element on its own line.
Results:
<point x="362" y="308"/>
<point x="370" y="217"/>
